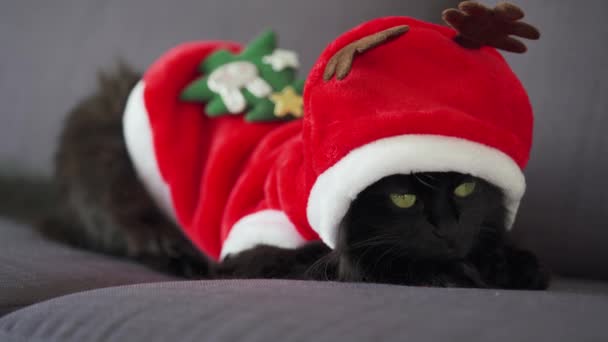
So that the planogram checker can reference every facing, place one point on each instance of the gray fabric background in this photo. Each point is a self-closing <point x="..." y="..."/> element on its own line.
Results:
<point x="51" y="49"/>
<point x="33" y="269"/>
<point x="266" y="310"/>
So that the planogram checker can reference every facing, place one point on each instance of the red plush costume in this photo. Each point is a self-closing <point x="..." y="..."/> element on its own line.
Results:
<point x="418" y="101"/>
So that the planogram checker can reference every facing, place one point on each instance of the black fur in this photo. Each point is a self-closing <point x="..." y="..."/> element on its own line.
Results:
<point x="107" y="209"/>
<point x="441" y="241"/>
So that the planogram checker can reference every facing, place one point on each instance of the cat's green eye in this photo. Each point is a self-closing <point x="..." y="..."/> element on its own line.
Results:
<point x="464" y="189"/>
<point x="403" y="200"/>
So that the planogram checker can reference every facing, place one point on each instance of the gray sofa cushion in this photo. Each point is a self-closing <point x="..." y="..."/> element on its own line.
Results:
<point x="266" y="310"/>
<point x="33" y="269"/>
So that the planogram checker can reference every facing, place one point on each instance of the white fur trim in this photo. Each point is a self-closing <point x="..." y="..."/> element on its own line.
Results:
<point x="138" y="138"/>
<point x="267" y="227"/>
<point x="338" y="186"/>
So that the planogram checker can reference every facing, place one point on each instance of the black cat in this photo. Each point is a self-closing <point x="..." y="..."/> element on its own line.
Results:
<point x="430" y="229"/>
<point x="433" y="229"/>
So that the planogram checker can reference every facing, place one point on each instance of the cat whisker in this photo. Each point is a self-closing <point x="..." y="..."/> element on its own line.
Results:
<point x="385" y="237"/>
<point x="324" y="261"/>
<point x="430" y="176"/>
<point x="372" y="243"/>
<point x="419" y="178"/>
<point x="388" y="251"/>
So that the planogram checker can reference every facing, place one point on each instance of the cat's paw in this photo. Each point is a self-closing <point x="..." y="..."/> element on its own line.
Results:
<point x="173" y="254"/>
<point x="272" y="262"/>
<point x="526" y="272"/>
<point x="456" y="280"/>
<point x="510" y="267"/>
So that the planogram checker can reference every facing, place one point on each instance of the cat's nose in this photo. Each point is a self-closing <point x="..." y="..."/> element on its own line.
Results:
<point x="446" y="232"/>
<point x="444" y="225"/>
<point x="435" y="220"/>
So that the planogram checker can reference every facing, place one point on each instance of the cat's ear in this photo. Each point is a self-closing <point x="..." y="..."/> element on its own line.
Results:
<point x="478" y="26"/>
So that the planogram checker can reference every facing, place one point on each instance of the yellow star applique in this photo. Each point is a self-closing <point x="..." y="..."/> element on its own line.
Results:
<point x="287" y="101"/>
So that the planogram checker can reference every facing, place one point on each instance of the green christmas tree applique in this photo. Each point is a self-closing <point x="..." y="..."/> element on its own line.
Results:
<point x="261" y="81"/>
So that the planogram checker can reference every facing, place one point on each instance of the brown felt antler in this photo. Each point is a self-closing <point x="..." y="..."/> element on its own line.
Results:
<point x="341" y="63"/>
<point x="478" y="25"/>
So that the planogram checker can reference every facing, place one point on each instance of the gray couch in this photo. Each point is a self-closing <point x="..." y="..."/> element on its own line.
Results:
<point x="159" y="308"/>
<point x="49" y="292"/>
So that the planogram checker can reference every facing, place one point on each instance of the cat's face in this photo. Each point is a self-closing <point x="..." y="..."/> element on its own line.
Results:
<point x="424" y="217"/>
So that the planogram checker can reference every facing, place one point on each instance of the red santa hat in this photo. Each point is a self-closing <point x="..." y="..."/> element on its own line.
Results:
<point x="396" y="96"/>
<point x="392" y="96"/>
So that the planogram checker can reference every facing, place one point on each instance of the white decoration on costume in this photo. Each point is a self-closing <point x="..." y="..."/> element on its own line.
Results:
<point x="259" y="88"/>
<point x="266" y="227"/>
<point x="228" y="80"/>
<point x="281" y="59"/>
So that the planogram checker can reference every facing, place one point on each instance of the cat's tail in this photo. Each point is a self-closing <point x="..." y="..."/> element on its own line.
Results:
<point x="27" y="197"/>
<point x="36" y="201"/>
